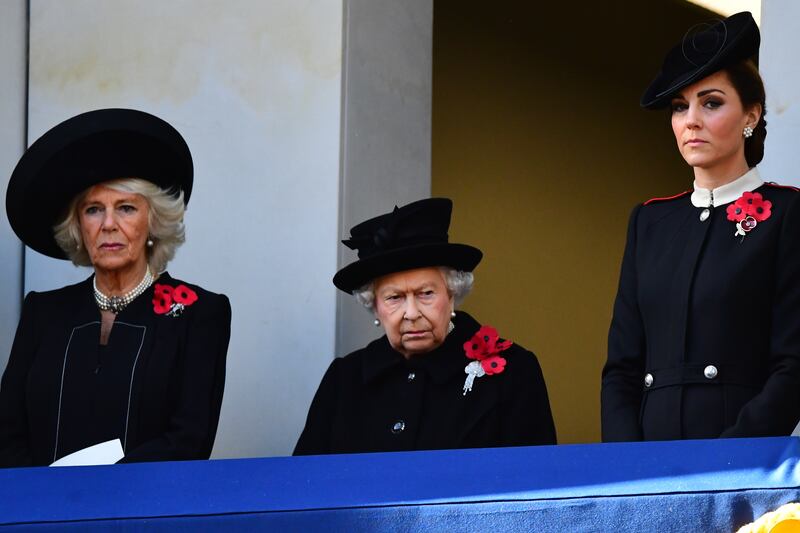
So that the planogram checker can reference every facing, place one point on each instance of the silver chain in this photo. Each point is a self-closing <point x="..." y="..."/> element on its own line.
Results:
<point x="115" y="304"/>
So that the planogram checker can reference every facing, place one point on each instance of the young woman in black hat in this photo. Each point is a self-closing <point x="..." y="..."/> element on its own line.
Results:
<point x="705" y="338"/>
<point x="437" y="379"/>
<point x="131" y="353"/>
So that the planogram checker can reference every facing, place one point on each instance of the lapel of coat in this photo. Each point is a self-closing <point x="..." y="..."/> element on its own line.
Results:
<point x="139" y="328"/>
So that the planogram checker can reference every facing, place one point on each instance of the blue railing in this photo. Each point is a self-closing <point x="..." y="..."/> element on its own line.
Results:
<point x="659" y="486"/>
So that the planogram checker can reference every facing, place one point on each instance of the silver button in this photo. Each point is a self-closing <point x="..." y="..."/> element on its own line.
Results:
<point x="411" y="376"/>
<point x="648" y="380"/>
<point x="398" y="426"/>
<point x="710" y="372"/>
<point x="704" y="214"/>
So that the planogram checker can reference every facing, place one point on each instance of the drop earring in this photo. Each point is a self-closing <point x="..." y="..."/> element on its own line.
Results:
<point x="748" y="132"/>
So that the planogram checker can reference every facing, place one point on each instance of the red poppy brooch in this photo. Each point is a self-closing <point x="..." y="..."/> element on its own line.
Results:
<point x="748" y="211"/>
<point x="171" y="301"/>
<point x="484" y="348"/>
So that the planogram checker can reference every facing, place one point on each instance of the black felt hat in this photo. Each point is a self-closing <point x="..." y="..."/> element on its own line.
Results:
<point x="85" y="150"/>
<point x="705" y="49"/>
<point x="412" y="236"/>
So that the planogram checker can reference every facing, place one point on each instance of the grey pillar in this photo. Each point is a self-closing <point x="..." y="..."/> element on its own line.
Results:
<point x="780" y="68"/>
<point x="386" y="127"/>
<point x="13" y="64"/>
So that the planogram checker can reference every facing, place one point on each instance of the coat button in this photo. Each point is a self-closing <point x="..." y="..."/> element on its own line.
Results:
<point x="704" y="214"/>
<point x="398" y="427"/>
<point x="710" y="372"/>
<point x="648" y="380"/>
<point x="411" y="376"/>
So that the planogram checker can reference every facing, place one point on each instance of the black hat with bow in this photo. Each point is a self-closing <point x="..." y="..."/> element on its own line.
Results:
<point x="409" y="237"/>
<point x="704" y="50"/>
<point x="87" y="149"/>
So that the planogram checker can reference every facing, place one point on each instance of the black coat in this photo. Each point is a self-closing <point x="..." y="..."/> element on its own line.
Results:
<point x="692" y="296"/>
<point x="374" y="400"/>
<point x="157" y="385"/>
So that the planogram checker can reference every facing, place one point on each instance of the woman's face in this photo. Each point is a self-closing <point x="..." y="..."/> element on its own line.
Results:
<point x="708" y="120"/>
<point x="114" y="228"/>
<point x="414" y="307"/>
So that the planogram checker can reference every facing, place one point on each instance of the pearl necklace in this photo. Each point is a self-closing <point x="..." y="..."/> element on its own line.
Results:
<point x="115" y="304"/>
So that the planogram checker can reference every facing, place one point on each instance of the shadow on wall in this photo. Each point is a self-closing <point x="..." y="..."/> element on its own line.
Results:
<point x="539" y="140"/>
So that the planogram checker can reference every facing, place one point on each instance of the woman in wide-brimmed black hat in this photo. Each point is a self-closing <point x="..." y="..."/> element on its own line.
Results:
<point x="437" y="379"/>
<point x="705" y="338"/>
<point x="131" y="353"/>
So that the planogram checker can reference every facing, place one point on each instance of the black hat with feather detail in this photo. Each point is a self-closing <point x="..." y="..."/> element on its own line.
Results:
<point x="704" y="50"/>
<point x="408" y="237"/>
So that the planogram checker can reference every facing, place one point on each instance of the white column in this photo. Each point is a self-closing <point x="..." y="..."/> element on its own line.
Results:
<point x="779" y="65"/>
<point x="13" y="49"/>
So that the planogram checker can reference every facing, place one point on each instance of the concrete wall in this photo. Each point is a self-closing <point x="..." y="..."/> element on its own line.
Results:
<point x="13" y="60"/>
<point x="255" y="89"/>
<point x="302" y="122"/>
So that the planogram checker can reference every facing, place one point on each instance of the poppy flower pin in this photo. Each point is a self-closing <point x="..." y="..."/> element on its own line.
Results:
<point x="171" y="301"/>
<point x="748" y="211"/>
<point x="484" y="348"/>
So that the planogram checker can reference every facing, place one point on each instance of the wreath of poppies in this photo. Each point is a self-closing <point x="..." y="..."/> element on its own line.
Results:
<point x="171" y="301"/>
<point x="748" y="211"/>
<point x="484" y="348"/>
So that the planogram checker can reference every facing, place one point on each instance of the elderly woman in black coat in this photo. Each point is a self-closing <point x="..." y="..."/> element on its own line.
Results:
<point x="437" y="378"/>
<point x="705" y="338"/>
<point x="130" y="353"/>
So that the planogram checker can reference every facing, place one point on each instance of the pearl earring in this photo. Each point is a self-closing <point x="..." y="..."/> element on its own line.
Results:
<point x="376" y="322"/>
<point x="150" y="243"/>
<point x="452" y="314"/>
<point x="748" y="132"/>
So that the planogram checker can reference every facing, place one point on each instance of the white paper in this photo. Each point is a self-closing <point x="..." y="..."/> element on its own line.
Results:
<point x="105" y="453"/>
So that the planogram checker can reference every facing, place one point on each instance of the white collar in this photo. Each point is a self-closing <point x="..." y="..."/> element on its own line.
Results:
<point x="729" y="192"/>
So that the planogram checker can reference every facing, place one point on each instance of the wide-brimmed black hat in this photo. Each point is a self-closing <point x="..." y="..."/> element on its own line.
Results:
<point x="412" y="236"/>
<point x="705" y="49"/>
<point x="85" y="150"/>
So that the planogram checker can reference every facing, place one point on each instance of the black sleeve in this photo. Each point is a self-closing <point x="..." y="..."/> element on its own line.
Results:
<point x="15" y="448"/>
<point x="193" y="421"/>
<point x="316" y="436"/>
<point x="776" y="409"/>
<point x="526" y="417"/>
<point x="621" y="391"/>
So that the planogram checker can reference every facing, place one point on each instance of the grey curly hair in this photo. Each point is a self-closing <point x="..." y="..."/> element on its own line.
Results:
<point x="165" y="222"/>
<point x="459" y="283"/>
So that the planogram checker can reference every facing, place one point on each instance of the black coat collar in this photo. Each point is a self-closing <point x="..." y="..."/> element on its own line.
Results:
<point x="441" y="364"/>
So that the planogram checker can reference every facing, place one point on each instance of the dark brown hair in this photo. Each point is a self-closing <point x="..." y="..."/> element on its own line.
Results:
<point x="747" y="81"/>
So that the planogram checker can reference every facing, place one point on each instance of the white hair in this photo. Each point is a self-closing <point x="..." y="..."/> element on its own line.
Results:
<point x="459" y="283"/>
<point x="165" y="223"/>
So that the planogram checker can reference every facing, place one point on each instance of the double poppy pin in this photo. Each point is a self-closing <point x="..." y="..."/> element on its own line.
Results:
<point x="484" y="348"/>
<point x="171" y="301"/>
<point x="748" y="211"/>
